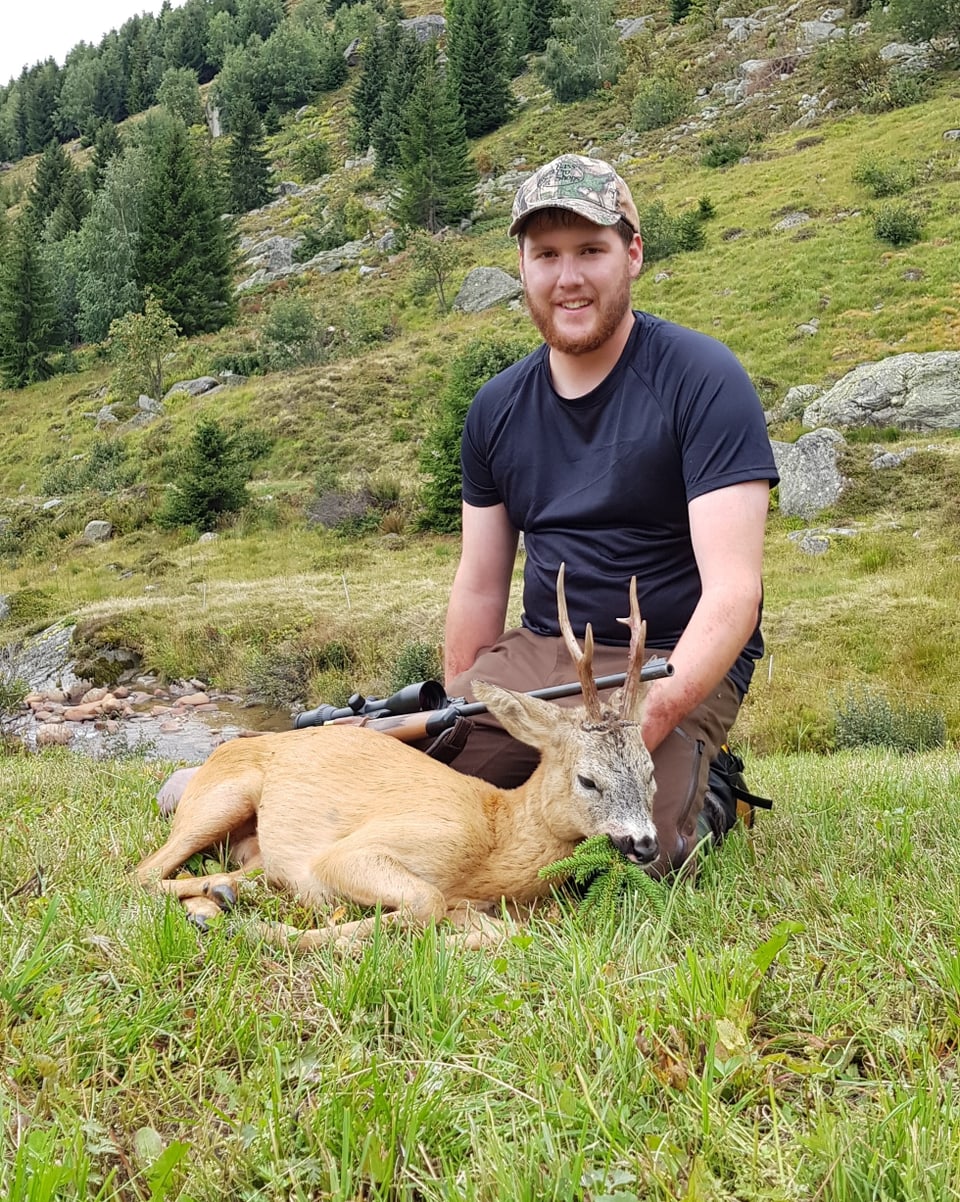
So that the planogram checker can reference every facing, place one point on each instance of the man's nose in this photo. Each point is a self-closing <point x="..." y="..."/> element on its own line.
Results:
<point x="570" y="271"/>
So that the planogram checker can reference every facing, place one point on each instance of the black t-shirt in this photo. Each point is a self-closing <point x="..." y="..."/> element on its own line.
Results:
<point x="602" y="482"/>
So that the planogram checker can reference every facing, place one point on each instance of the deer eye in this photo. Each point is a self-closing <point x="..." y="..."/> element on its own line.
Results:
<point x="586" y="783"/>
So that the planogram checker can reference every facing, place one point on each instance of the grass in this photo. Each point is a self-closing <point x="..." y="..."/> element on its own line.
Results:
<point x="788" y="1030"/>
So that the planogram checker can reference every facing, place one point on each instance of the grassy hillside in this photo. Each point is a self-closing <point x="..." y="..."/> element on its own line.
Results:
<point x="263" y="606"/>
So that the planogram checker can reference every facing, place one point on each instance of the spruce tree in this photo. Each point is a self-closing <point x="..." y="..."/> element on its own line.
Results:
<point x="436" y="175"/>
<point x="106" y="144"/>
<point x="53" y="167"/>
<point x="248" y="168"/>
<point x="478" y="66"/>
<point x="536" y="17"/>
<point x="184" y="250"/>
<point x="27" y="313"/>
<point x="401" y="79"/>
<point x="212" y="481"/>
<point x="366" y="99"/>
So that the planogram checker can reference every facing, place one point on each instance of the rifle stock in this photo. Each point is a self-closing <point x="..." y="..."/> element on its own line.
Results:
<point x="427" y="724"/>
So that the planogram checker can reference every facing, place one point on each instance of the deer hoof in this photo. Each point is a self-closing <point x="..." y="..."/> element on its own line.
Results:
<point x="224" y="896"/>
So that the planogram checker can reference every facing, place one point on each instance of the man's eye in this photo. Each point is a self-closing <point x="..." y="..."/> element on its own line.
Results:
<point x="585" y="782"/>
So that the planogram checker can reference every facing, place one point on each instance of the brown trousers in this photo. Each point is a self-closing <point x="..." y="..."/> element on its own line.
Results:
<point x="524" y="661"/>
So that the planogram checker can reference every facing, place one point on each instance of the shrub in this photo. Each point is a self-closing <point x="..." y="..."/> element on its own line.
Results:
<point x="881" y="178"/>
<point x="416" y="661"/>
<point x="848" y="70"/>
<point x="106" y="469"/>
<point x="898" y="90"/>
<point x="659" y="100"/>
<point x="291" y="335"/>
<point x="868" y="719"/>
<point x="440" y="496"/>
<point x="665" y="235"/>
<point x="313" y="159"/>
<point x="723" y="150"/>
<point x="897" y="224"/>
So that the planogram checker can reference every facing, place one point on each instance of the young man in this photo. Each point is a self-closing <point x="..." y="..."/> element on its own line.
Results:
<point x="625" y="445"/>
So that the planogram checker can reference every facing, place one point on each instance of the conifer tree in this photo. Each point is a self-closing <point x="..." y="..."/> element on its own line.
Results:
<point x="532" y="25"/>
<point x="53" y="166"/>
<point x="27" y="315"/>
<point x="107" y="143"/>
<point x="248" y="168"/>
<point x="436" y="175"/>
<point x="378" y="53"/>
<point x="184" y="251"/>
<point x="72" y="208"/>
<point x="401" y="79"/>
<point x="478" y="65"/>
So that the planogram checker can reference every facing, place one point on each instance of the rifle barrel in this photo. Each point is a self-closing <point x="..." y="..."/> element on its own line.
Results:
<point x="653" y="669"/>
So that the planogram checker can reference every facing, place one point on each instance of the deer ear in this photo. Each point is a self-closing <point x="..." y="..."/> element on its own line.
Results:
<point x="528" y="719"/>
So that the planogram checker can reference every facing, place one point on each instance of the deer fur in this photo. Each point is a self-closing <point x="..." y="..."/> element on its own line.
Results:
<point x="348" y="813"/>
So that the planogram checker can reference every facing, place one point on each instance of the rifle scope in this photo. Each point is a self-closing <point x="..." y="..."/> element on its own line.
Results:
<point x="413" y="699"/>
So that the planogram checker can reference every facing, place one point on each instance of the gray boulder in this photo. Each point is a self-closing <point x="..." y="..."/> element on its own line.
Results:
<point x="909" y="392"/>
<point x="424" y="28"/>
<point x="97" y="531"/>
<point x="195" y="387"/>
<point x="485" y="287"/>
<point x="810" y="480"/>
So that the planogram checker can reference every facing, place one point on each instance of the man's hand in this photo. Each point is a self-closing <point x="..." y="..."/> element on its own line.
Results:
<point x="726" y="529"/>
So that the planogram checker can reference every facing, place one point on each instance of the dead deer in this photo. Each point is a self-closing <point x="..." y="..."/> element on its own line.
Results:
<point x="348" y="813"/>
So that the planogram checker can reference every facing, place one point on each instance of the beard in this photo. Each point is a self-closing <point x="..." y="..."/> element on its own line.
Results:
<point x="608" y="312"/>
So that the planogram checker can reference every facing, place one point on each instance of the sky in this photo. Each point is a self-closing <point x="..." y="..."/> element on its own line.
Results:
<point x="33" y="30"/>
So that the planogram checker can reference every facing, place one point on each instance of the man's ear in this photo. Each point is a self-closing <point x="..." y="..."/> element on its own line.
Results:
<point x="635" y="251"/>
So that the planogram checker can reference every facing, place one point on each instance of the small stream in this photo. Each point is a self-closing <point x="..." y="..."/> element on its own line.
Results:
<point x="180" y="734"/>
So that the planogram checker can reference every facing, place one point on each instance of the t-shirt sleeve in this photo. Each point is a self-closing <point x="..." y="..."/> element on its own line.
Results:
<point x="477" y="480"/>
<point x="720" y="422"/>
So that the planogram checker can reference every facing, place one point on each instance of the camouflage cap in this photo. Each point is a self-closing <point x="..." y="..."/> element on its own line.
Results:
<point x="589" y="187"/>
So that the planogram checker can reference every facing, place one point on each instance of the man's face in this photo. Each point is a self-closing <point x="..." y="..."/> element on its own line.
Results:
<point x="577" y="279"/>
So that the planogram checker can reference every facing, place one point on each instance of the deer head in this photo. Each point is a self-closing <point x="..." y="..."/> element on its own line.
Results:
<point x="595" y="774"/>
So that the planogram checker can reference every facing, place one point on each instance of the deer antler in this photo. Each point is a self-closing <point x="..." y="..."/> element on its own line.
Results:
<point x="583" y="659"/>
<point x="632" y="693"/>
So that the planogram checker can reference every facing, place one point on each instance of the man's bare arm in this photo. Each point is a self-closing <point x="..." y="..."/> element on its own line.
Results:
<point x="481" y="588"/>
<point x="726" y="528"/>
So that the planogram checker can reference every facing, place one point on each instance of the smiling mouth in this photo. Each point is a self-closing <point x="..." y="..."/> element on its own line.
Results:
<point x="574" y="306"/>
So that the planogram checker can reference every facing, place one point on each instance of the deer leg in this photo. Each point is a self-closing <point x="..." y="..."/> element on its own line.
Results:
<point x="204" y="818"/>
<point x="476" y="929"/>
<point x="370" y="877"/>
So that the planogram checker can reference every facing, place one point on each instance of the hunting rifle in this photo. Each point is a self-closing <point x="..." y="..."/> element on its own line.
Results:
<point x="423" y="711"/>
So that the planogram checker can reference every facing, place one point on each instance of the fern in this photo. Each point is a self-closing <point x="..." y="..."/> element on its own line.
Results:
<point x="608" y="876"/>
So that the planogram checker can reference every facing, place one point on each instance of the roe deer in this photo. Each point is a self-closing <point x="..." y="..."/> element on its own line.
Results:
<point x="349" y="813"/>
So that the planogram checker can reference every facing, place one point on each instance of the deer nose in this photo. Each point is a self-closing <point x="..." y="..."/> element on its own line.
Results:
<point x="640" y="851"/>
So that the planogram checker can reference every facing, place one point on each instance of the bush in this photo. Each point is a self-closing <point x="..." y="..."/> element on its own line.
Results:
<point x="291" y="334"/>
<point x="440" y="496"/>
<point x="849" y="71"/>
<point x="665" y="235"/>
<point x="415" y="662"/>
<point x="898" y="90"/>
<point x="868" y="719"/>
<point x="313" y="159"/>
<point x="897" y="224"/>
<point x="884" y="179"/>
<point x="659" y="100"/>
<point x="107" y="468"/>
<point x="723" y="150"/>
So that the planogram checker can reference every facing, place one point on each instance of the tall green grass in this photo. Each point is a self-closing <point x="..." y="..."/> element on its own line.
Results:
<point x="788" y="1030"/>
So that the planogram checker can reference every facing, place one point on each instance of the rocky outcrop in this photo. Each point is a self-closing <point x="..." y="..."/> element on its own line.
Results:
<point x="909" y="392"/>
<point x="485" y="287"/>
